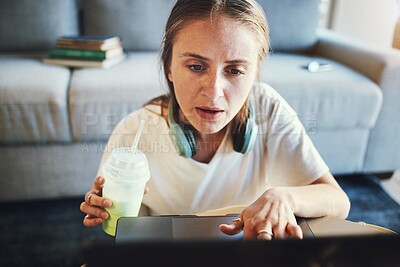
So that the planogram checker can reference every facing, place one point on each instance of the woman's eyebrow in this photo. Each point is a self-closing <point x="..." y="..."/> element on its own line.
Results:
<point x="234" y="61"/>
<point x="187" y="54"/>
<point x="238" y="61"/>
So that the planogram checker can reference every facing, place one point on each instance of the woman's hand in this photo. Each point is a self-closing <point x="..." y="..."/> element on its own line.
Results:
<point x="270" y="216"/>
<point x="94" y="204"/>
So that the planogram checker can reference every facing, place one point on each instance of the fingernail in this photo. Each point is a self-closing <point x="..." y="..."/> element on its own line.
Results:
<point x="101" y="179"/>
<point x="104" y="215"/>
<point x="107" y="203"/>
<point x="98" y="220"/>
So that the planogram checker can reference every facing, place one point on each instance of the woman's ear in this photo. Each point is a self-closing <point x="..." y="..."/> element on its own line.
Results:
<point x="170" y="75"/>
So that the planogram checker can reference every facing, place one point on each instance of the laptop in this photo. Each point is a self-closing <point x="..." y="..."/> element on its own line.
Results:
<point x="345" y="251"/>
<point x="192" y="227"/>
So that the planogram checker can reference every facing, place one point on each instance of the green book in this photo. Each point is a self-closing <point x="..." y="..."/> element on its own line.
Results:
<point x="85" y="54"/>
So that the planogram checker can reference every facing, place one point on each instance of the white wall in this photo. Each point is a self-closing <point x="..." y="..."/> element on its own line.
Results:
<point x="369" y="20"/>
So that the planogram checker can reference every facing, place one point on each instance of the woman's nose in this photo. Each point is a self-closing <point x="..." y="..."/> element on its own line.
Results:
<point x="213" y="89"/>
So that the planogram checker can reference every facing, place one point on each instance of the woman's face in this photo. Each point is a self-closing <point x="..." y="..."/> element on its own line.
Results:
<point x="213" y="67"/>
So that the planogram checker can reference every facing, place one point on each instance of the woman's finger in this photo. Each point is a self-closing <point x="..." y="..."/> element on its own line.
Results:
<point x="279" y="229"/>
<point x="90" y="221"/>
<point x="93" y="211"/>
<point x="249" y="231"/>
<point x="264" y="235"/>
<point x="265" y="232"/>
<point x="95" y="200"/>
<point x="293" y="230"/>
<point x="230" y="229"/>
<point x="235" y="227"/>
<point x="98" y="185"/>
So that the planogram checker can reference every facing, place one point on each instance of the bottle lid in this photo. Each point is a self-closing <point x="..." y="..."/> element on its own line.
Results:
<point x="125" y="164"/>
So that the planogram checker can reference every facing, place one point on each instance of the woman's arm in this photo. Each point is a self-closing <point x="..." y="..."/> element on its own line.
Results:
<point x="324" y="197"/>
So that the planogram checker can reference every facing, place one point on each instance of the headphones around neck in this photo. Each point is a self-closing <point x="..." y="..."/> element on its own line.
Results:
<point x="182" y="136"/>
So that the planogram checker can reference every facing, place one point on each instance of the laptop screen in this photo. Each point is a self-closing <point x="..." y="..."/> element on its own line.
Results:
<point x="377" y="250"/>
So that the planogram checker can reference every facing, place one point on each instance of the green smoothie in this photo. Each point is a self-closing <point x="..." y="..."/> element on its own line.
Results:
<point x="121" y="209"/>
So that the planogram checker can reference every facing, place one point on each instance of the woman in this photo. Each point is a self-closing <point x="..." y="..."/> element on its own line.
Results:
<point x="242" y="143"/>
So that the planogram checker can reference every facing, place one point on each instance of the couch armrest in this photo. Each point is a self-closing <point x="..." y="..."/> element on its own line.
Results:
<point x="360" y="56"/>
<point x="382" y="67"/>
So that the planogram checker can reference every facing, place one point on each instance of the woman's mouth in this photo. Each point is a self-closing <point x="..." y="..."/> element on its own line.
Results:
<point x="209" y="113"/>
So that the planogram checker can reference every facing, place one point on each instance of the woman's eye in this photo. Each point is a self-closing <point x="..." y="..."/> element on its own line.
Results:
<point x="196" y="67"/>
<point x="236" y="71"/>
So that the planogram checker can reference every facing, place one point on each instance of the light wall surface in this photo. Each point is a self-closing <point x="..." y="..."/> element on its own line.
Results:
<point x="368" y="20"/>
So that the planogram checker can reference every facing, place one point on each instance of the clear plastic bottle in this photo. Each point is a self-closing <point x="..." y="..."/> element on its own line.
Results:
<point x="126" y="172"/>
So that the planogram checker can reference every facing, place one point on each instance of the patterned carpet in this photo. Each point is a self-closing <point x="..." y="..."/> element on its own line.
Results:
<point x="44" y="233"/>
<point x="370" y="203"/>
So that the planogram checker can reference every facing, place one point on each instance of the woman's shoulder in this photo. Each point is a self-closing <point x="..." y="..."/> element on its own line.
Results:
<point x="267" y="99"/>
<point x="263" y="91"/>
<point x="158" y="105"/>
<point x="151" y="112"/>
<point x="144" y="112"/>
<point x="154" y="107"/>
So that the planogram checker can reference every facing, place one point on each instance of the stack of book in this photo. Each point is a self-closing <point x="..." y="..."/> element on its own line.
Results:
<point x="86" y="51"/>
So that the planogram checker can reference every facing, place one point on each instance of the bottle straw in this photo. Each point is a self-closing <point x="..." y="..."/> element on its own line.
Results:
<point x="137" y="136"/>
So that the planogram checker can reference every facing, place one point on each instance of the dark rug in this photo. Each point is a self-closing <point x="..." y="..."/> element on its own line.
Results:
<point x="51" y="232"/>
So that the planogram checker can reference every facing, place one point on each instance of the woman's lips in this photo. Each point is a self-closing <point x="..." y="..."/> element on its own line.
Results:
<point x="209" y="113"/>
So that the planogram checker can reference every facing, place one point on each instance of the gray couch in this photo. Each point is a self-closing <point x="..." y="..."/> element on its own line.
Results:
<point x="55" y="121"/>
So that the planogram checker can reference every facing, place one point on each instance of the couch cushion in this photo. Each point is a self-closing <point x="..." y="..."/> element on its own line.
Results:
<point x="343" y="150"/>
<point x="139" y="23"/>
<point x="100" y="98"/>
<point x="293" y="23"/>
<point x="33" y="25"/>
<point x="337" y="99"/>
<point x="33" y="101"/>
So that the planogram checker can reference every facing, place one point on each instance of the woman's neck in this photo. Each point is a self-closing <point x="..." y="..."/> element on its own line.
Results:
<point x="208" y="145"/>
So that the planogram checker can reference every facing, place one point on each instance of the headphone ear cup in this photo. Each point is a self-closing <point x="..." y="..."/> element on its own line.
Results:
<point x="244" y="137"/>
<point x="191" y="140"/>
<point x="183" y="139"/>
<point x="238" y="138"/>
<point x="180" y="141"/>
<point x="250" y="138"/>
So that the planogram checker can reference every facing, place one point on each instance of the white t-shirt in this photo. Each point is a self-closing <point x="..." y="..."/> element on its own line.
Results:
<point x="283" y="155"/>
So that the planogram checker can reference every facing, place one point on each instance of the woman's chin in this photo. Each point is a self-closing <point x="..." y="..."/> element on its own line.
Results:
<point x="209" y="128"/>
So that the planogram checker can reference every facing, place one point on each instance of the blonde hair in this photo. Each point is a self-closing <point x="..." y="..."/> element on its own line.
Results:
<point x="247" y="12"/>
